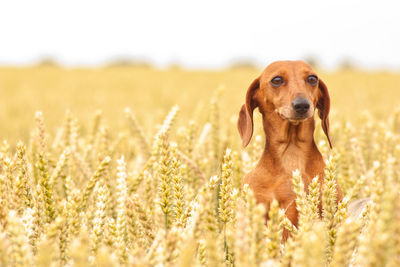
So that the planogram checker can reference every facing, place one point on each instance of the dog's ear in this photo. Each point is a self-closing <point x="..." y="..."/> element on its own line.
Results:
<point x="245" y="121"/>
<point x="323" y="106"/>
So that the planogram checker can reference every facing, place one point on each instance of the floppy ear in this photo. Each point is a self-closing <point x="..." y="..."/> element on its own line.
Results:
<point x="323" y="106"/>
<point x="245" y="121"/>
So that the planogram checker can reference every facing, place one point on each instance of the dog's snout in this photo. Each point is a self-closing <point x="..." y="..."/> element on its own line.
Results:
<point x="301" y="105"/>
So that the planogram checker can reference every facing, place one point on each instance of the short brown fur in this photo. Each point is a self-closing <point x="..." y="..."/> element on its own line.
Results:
<point x="289" y="142"/>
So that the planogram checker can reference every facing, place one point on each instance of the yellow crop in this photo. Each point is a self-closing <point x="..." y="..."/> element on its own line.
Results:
<point x="134" y="166"/>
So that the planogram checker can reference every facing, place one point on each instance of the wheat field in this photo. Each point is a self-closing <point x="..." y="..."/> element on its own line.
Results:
<point x="134" y="166"/>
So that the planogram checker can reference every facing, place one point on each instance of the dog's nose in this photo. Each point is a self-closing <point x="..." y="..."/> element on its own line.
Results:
<point x="301" y="105"/>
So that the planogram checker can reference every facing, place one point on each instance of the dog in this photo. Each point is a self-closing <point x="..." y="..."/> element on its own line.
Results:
<point x="287" y="93"/>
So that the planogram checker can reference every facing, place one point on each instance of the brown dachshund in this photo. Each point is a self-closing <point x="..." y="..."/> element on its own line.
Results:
<point x="287" y="94"/>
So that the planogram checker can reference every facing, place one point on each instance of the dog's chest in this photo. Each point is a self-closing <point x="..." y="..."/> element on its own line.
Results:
<point x="293" y="159"/>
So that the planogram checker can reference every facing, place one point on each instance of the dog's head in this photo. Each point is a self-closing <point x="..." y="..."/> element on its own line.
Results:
<point x="291" y="89"/>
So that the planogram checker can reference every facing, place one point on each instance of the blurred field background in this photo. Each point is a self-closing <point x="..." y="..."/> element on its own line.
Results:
<point x="151" y="92"/>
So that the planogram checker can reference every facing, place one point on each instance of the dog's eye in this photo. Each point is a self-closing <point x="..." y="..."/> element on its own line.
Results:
<point x="312" y="79"/>
<point x="277" y="81"/>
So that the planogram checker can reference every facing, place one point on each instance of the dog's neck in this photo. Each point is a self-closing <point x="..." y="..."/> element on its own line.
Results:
<point x="288" y="145"/>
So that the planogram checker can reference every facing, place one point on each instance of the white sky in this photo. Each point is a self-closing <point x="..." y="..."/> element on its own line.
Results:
<point x="203" y="33"/>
